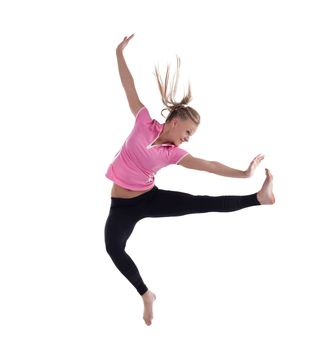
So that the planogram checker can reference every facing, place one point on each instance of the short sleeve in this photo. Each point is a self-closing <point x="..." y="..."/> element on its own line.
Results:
<point x="176" y="155"/>
<point x="143" y="116"/>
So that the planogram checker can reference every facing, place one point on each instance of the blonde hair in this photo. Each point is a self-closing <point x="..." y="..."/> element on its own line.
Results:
<point x="176" y="109"/>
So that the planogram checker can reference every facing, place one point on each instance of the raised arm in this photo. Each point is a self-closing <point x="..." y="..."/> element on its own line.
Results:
<point x="127" y="79"/>
<point x="220" y="169"/>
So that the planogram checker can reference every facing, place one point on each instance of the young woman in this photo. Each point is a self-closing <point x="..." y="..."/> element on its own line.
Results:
<point x="150" y="147"/>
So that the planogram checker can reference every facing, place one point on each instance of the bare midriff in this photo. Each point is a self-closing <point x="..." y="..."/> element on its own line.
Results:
<point x="120" y="192"/>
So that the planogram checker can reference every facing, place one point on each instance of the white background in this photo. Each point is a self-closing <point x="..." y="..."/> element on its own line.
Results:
<point x="243" y="280"/>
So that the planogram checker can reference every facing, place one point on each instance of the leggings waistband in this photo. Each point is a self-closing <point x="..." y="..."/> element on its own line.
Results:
<point x="126" y="201"/>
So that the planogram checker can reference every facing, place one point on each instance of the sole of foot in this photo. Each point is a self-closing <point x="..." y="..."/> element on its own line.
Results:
<point x="148" y="300"/>
<point x="265" y="195"/>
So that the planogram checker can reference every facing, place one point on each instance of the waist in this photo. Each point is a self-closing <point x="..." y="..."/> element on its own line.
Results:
<point x="121" y="192"/>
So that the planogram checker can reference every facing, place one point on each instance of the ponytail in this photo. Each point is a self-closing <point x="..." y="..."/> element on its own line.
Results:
<point x="168" y="94"/>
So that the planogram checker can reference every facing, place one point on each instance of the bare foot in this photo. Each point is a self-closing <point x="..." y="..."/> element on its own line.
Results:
<point x="265" y="195"/>
<point x="148" y="299"/>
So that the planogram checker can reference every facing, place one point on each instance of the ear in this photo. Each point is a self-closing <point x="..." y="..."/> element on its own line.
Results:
<point x="174" y="122"/>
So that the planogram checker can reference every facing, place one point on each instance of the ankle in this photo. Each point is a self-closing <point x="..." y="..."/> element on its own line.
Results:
<point x="146" y="295"/>
<point x="259" y="199"/>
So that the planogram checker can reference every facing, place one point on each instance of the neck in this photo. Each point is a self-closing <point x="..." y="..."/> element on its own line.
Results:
<point x="163" y="137"/>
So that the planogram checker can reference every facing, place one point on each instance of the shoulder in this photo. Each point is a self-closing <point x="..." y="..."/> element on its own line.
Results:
<point x="139" y="110"/>
<point x="185" y="158"/>
<point x="143" y="116"/>
<point x="177" y="154"/>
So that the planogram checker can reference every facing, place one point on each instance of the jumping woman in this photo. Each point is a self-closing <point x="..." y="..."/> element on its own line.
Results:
<point x="150" y="147"/>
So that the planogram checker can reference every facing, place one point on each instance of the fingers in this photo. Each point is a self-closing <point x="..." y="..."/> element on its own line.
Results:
<point x="255" y="162"/>
<point x="258" y="158"/>
<point x="128" y="38"/>
<point x="124" y="42"/>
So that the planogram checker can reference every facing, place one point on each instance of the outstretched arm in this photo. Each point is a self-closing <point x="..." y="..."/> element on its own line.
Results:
<point x="220" y="169"/>
<point x="127" y="79"/>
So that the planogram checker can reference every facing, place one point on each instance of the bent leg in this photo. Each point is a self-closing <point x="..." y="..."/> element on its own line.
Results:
<point x="118" y="229"/>
<point x="165" y="203"/>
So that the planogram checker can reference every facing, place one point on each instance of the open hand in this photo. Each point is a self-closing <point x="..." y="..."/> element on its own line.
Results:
<point x="124" y="42"/>
<point x="253" y="165"/>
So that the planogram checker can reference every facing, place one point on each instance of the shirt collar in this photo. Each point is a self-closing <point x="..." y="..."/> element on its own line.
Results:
<point x="159" y="129"/>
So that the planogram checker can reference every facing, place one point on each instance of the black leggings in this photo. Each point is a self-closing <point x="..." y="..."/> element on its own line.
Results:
<point x="125" y="213"/>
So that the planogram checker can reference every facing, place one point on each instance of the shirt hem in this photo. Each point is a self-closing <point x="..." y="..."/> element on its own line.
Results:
<point x="128" y="187"/>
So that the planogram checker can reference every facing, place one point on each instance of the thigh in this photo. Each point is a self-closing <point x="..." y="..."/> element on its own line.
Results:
<point x="165" y="203"/>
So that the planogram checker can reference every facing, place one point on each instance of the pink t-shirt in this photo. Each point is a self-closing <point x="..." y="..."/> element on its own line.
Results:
<point x="138" y="161"/>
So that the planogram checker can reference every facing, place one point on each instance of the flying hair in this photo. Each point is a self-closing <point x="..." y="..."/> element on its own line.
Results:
<point x="168" y="91"/>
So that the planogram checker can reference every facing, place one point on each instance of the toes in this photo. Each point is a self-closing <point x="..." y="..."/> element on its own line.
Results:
<point x="268" y="173"/>
<point x="147" y="322"/>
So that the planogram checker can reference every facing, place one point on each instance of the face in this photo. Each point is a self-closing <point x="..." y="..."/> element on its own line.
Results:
<point x="182" y="130"/>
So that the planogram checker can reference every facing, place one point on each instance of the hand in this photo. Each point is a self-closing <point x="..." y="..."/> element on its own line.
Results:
<point x="253" y="165"/>
<point x="124" y="43"/>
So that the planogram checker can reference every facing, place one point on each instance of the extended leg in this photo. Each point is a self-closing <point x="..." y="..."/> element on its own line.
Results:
<point x="162" y="203"/>
<point x="166" y="203"/>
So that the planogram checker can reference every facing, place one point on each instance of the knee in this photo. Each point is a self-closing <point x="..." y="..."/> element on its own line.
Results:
<point x="114" y="249"/>
<point x="110" y="240"/>
<point x="115" y="241"/>
<point x="117" y="254"/>
<point x="110" y="247"/>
